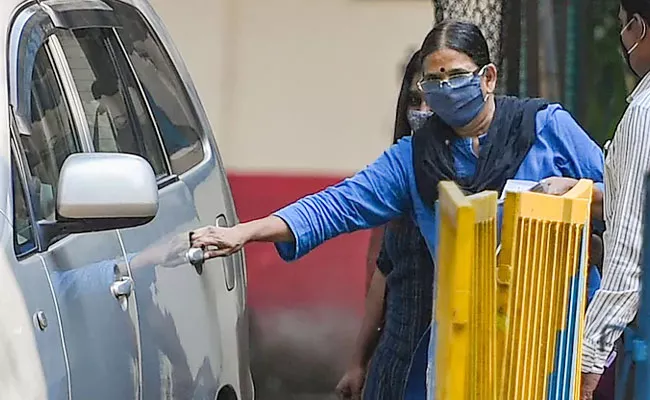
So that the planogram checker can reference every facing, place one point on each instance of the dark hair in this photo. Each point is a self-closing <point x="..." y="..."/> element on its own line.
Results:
<point x="641" y="7"/>
<point x="402" y="126"/>
<point x="463" y="37"/>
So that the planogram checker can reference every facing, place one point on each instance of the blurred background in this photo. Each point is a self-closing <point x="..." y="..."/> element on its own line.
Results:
<point x="302" y="93"/>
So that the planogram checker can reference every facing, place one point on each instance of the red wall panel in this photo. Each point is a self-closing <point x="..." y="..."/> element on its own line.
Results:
<point x="333" y="275"/>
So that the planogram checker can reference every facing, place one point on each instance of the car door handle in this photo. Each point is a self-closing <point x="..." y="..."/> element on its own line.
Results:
<point x="195" y="256"/>
<point x="122" y="287"/>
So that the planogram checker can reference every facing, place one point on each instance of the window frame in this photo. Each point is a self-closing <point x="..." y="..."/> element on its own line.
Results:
<point x="141" y="91"/>
<point x="42" y="21"/>
<point x="19" y="165"/>
<point x="35" y="26"/>
<point x="129" y="101"/>
<point x="186" y="93"/>
<point x="76" y="124"/>
<point x="30" y="31"/>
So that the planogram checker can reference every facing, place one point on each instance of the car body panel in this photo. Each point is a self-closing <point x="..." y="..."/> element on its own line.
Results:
<point x="179" y="330"/>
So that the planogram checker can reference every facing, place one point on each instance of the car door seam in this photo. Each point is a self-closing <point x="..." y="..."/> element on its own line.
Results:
<point x="61" y="332"/>
<point x="134" y="295"/>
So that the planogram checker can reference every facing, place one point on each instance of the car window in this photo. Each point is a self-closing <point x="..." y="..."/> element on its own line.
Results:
<point x="117" y="114"/>
<point x="50" y="136"/>
<point x="23" y="230"/>
<point x="171" y="106"/>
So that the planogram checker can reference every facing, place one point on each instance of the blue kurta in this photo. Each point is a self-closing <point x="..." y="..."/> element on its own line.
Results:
<point x="386" y="189"/>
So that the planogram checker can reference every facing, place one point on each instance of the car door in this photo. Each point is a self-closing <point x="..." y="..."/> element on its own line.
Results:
<point x="203" y="303"/>
<point x="179" y="307"/>
<point x="87" y="273"/>
<point x="180" y="116"/>
<point x="34" y="283"/>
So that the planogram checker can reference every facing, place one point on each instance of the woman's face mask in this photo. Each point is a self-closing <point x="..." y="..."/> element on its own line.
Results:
<point x="417" y="118"/>
<point x="457" y="99"/>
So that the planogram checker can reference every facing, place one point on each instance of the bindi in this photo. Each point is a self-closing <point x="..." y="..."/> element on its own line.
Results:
<point x="442" y="69"/>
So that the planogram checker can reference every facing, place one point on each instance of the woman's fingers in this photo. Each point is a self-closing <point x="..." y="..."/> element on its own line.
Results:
<point x="207" y="242"/>
<point x="343" y="392"/>
<point x="213" y="253"/>
<point x="205" y="231"/>
<point x="217" y="242"/>
<point x="202" y="238"/>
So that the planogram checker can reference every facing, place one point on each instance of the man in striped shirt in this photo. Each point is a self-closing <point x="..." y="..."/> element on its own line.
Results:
<point x="627" y="160"/>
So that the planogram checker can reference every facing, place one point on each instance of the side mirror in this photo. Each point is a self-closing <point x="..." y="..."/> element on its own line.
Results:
<point x="102" y="191"/>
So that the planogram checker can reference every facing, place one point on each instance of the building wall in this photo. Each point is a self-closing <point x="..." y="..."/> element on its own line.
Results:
<point x="298" y="85"/>
<point x="300" y="93"/>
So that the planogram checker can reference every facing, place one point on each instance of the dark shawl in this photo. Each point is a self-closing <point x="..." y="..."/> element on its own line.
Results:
<point x="510" y="137"/>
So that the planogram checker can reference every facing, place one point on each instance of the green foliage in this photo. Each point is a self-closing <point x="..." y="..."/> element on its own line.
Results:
<point x="607" y="88"/>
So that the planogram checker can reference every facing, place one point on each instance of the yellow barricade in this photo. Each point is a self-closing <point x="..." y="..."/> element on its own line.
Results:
<point x="465" y="296"/>
<point x="483" y="354"/>
<point x="542" y="283"/>
<point x="511" y="332"/>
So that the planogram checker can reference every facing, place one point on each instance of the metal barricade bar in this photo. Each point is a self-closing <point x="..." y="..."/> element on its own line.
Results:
<point x="510" y="329"/>
<point x="545" y="250"/>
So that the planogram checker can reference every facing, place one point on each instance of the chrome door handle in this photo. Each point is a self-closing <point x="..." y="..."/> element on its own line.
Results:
<point x="122" y="287"/>
<point x="195" y="257"/>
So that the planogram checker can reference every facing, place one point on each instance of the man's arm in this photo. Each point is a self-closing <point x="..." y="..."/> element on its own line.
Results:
<point x="597" y="198"/>
<point x="616" y="302"/>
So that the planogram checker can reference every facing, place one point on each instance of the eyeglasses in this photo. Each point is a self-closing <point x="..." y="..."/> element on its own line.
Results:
<point x="429" y="84"/>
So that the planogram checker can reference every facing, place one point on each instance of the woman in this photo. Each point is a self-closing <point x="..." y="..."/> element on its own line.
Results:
<point x="404" y="270"/>
<point x="475" y="139"/>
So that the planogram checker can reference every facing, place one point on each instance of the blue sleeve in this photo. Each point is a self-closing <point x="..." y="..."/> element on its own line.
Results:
<point x="76" y="282"/>
<point x="372" y="197"/>
<point x="578" y="156"/>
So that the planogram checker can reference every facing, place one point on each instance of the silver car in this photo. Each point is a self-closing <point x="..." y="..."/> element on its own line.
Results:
<point x="109" y="162"/>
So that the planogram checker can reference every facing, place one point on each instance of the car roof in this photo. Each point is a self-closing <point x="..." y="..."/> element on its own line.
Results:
<point x="9" y="7"/>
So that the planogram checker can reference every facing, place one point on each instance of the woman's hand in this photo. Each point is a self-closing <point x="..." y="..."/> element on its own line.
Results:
<point x="557" y="185"/>
<point x="221" y="242"/>
<point x="217" y="241"/>
<point x="351" y="385"/>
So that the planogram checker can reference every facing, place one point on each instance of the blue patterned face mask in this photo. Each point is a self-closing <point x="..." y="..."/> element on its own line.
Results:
<point x="457" y="100"/>
<point x="417" y="118"/>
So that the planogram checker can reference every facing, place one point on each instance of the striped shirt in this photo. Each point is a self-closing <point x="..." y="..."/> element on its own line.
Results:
<point x="615" y="304"/>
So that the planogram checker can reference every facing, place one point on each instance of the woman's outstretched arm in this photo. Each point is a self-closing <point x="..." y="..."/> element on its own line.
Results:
<point x="372" y="197"/>
<point x="220" y="242"/>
